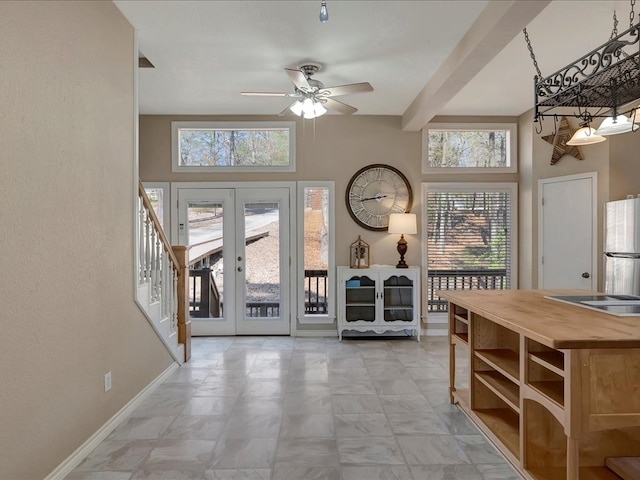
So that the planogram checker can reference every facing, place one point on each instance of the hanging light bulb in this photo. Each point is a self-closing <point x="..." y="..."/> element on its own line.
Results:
<point x="297" y="108"/>
<point x="615" y="125"/>
<point x="324" y="13"/>
<point x="586" y="136"/>
<point x="318" y="109"/>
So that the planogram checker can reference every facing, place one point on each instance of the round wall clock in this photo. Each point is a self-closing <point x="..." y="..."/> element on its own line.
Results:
<point x="376" y="191"/>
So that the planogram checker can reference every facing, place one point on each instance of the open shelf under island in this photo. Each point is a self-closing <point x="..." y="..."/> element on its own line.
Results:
<point x="556" y="387"/>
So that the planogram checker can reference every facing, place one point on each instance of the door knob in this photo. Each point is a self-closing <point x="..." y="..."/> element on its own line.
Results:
<point x="585" y="275"/>
<point x="239" y="269"/>
<point x="239" y="259"/>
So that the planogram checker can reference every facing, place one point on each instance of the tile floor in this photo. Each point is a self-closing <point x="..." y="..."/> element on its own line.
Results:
<point x="281" y="408"/>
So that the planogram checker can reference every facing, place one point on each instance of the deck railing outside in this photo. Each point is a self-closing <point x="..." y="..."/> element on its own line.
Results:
<point x="494" y="279"/>
<point x="205" y="302"/>
<point x="315" y="292"/>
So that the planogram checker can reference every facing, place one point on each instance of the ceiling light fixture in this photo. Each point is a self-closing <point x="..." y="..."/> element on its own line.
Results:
<point x="309" y="107"/>
<point x="616" y="125"/>
<point x="601" y="84"/>
<point x="324" y="13"/>
<point x="586" y="136"/>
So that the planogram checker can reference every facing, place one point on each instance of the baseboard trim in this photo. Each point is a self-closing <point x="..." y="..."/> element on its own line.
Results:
<point x="62" y="470"/>
<point x="316" y="333"/>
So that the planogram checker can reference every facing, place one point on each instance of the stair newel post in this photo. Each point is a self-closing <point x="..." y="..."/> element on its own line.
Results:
<point x="184" y="321"/>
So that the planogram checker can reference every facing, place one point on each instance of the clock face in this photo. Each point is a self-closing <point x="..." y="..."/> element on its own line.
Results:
<point x="376" y="191"/>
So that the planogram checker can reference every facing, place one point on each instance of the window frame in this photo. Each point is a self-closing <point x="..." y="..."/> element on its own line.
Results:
<point x="512" y="147"/>
<point x="510" y="187"/>
<point x="330" y="317"/>
<point x="175" y="146"/>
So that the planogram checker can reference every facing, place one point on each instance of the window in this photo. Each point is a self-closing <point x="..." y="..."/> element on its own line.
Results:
<point x="470" y="238"/>
<point x="158" y="193"/>
<point x="233" y="146"/>
<point x="469" y="148"/>
<point x="316" y="247"/>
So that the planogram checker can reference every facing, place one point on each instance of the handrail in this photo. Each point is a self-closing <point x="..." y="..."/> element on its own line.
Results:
<point x="163" y="278"/>
<point x="152" y="214"/>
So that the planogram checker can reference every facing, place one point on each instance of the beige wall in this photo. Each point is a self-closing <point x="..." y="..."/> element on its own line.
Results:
<point x="66" y="230"/>
<point x="336" y="146"/>
<point x="624" y="163"/>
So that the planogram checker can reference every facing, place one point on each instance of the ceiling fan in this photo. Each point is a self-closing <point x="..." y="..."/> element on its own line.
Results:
<point x="313" y="97"/>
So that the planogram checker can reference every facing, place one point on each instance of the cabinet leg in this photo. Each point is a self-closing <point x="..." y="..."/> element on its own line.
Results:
<point x="452" y="370"/>
<point x="573" y="459"/>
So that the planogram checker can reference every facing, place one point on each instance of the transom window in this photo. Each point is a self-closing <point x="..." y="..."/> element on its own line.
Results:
<point x="469" y="148"/>
<point x="233" y="146"/>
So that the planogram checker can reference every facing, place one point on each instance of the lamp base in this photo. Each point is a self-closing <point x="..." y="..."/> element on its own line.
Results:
<point x="402" y="249"/>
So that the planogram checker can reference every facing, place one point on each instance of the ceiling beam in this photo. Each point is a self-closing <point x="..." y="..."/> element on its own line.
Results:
<point x="495" y="27"/>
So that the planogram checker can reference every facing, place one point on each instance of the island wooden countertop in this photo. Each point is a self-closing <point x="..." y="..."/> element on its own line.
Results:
<point x="552" y="323"/>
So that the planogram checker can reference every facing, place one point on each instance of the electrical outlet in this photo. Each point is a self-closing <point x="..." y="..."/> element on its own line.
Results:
<point x="107" y="381"/>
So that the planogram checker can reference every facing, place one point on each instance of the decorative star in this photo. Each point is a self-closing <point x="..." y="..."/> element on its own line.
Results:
<point x="559" y="142"/>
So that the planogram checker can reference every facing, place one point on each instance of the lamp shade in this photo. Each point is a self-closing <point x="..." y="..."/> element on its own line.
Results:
<point x="404" y="223"/>
<point x="586" y="136"/>
<point x="616" y="125"/>
<point x="296" y="108"/>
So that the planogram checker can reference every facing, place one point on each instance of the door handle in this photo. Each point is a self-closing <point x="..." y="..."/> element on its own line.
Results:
<point x="585" y="275"/>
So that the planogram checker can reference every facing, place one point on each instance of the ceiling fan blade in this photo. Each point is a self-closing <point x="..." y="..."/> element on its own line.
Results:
<point x="265" y="94"/>
<point x="347" y="89"/>
<point x="339" y="106"/>
<point x="286" y="111"/>
<point x="298" y="78"/>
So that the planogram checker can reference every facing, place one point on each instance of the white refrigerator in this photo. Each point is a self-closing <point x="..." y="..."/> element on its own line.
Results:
<point x="622" y="247"/>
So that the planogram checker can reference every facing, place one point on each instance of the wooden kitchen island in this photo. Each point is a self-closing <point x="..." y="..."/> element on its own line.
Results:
<point x="556" y="387"/>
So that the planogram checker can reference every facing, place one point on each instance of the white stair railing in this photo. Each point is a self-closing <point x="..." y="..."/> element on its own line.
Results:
<point x="159" y="280"/>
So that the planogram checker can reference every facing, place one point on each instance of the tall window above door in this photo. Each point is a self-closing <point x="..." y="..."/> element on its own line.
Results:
<point x="233" y="146"/>
<point x="470" y="238"/>
<point x="469" y="148"/>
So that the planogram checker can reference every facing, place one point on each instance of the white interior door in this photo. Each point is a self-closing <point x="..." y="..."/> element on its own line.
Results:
<point x="567" y="232"/>
<point x="239" y="257"/>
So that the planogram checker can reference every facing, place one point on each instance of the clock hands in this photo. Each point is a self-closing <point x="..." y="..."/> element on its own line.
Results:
<point x="378" y="197"/>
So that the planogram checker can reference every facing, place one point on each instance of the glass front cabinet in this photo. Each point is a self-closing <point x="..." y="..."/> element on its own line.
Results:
<point x="379" y="300"/>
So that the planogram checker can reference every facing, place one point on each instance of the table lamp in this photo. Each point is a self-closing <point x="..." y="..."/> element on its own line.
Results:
<point x="402" y="223"/>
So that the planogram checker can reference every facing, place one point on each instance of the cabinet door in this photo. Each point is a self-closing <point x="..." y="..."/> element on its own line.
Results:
<point x="360" y="298"/>
<point x="398" y="297"/>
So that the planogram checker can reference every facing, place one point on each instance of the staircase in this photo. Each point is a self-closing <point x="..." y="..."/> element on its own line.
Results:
<point x="627" y="468"/>
<point x="162" y="281"/>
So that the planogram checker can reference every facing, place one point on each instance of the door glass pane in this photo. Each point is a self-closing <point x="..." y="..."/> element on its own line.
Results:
<point x="206" y="277"/>
<point x="262" y="260"/>
<point x="316" y="250"/>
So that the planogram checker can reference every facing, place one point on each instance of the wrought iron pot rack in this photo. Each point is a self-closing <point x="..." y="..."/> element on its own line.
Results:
<point x="601" y="83"/>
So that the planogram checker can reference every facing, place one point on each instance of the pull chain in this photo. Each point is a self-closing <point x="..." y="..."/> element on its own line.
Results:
<point x="533" y="56"/>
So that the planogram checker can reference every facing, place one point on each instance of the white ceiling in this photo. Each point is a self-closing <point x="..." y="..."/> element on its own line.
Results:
<point x="414" y="53"/>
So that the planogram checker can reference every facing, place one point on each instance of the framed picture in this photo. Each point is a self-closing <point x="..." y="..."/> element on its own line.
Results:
<point x="359" y="254"/>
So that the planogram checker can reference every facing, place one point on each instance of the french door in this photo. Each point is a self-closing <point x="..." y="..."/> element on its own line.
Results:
<point x="239" y="257"/>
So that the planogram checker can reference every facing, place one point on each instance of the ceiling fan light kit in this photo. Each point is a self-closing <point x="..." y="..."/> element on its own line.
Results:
<point x="313" y="98"/>
<point x="600" y="84"/>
